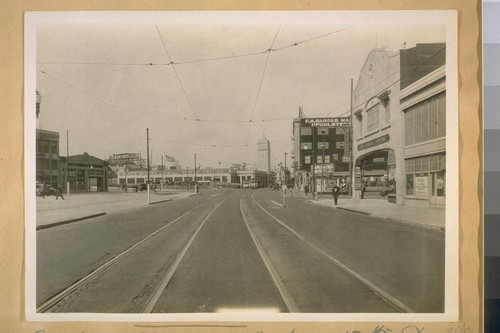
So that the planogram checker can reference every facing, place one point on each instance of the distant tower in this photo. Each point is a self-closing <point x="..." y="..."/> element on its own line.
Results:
<point x="264" y="151"/>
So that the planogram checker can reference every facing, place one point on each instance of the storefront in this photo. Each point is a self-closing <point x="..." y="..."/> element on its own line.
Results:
<point x="85" y="173"/>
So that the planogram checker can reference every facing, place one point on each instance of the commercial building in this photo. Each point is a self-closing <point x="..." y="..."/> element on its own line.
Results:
<point x="47" y="158"/>
<point x="320" y="156"/>
<point x="399" y="130"/>
<point x="84" y="173"/>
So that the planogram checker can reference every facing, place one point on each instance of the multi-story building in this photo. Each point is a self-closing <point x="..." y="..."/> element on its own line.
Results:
<point x="47" y="158"/>
<point x="319" y="156"/>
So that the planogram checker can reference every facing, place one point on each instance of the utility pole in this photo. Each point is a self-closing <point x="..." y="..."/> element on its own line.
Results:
<point x="147" y="139"/>
<point x="285" y="169"/>
<point x="67" y="162"/>
<point x="195" y="184"/>
<point x="313" y="166"/>
<point x="351" y="178"/>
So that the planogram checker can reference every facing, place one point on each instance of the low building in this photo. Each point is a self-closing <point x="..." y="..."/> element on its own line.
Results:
<point x="85" y="173"/>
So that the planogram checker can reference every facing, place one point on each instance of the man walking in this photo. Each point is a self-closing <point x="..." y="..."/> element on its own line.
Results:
<point x="59" y="193"/>
<point x="335" y="192"/>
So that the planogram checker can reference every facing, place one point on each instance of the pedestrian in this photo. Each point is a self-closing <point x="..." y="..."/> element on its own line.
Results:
<point x="335" y="192"/>
<point x="59" y="193"/>
<point x="306" y="189"/>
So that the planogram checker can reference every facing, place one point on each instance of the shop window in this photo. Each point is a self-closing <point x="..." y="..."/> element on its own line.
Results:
<point x="409" y="184"/>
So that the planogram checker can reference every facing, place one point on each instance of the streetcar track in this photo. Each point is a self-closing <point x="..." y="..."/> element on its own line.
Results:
<point x="278" y="282"/>
<point x="377" y="290"/>
<point x="154" y="298"/>
<point x="53" y="301"/>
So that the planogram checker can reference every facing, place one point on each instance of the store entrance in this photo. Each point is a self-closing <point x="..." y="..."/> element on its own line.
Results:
<point x="378" y="173"/>
<point x="438" y="195"/>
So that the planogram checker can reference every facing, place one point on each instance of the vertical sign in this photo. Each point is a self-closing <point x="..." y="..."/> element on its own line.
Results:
<point x="357" y="178"/>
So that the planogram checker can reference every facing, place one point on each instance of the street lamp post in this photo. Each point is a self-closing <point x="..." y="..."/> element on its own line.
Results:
<point x="38" y="102"/>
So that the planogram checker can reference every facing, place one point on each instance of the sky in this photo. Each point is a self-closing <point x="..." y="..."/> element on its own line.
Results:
<point x="205" y="83"/>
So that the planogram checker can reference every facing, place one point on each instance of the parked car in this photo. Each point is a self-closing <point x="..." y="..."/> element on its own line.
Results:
<point x="44" y="189"/>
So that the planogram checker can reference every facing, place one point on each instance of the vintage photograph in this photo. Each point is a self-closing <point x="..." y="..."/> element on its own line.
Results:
<point x="258" y="164"/>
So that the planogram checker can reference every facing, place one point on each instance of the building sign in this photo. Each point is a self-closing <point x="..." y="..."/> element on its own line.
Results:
<point x="326" y="168"/>
<point x="357" y="178"/>
<point x="374" y="142"/>
<point x="421" y="185"/>
<point x="326" y="122"/>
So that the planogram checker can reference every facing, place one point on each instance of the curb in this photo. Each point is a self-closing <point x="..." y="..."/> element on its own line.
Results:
<point x="353" y="210"/>
<point x="157" y="202"/>
<point x="47" y="226"/>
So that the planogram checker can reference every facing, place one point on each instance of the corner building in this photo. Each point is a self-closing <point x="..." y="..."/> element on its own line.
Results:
<point x="399" y="116"/>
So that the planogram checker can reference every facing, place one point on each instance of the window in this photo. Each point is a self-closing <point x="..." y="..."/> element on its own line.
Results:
<point x="323" y="145"/>
<point x="339" y="131"/>
<point x="305" y="131"/>
<point x="307" y="159"/>
<point x="372" y="119"/>
<point x="53" y="147"/>
<point x="426" y="120"/>
<point x="322" y="131"/>
<point x="306" y="145"/>
<point x="409" y="184"/>
<point x="327" y="159"/>
<point x="319" y="159"/>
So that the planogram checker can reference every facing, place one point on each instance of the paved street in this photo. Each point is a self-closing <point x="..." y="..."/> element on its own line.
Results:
<point x="225" y="250"/>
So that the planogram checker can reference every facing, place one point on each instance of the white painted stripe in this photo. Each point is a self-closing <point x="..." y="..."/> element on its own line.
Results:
<point x="277" y="203"/>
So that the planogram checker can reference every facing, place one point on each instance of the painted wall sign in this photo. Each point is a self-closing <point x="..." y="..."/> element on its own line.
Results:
<point x="326" y="122"/>
<point x="374" y="142"/>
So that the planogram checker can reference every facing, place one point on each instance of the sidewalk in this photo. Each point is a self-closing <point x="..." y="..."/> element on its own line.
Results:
<point x="427" y="217"/>
<point x="80" y="206"/>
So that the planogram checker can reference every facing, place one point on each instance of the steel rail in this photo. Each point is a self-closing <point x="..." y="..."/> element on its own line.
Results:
<point x="278" y="282"/>
<point x="66" y="292"/>
<point x="153" y="300"/>
<point x="377" y="290"/>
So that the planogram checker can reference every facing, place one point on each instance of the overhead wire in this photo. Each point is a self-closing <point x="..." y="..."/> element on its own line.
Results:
<point x="170" y="63"/>
<point x="182" y="86"/>
<point x="260" y="84"/>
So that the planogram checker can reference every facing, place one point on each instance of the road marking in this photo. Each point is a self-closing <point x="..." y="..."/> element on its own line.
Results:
<point x="383" y="294"/>
<point x="278" y="282"/>
<point x="277" y="203"/>
<point x="149" y="306"/>
<point x="57" y="298"/>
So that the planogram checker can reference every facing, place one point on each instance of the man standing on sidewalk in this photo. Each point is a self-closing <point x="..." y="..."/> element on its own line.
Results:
<point x="335" y="192"/>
